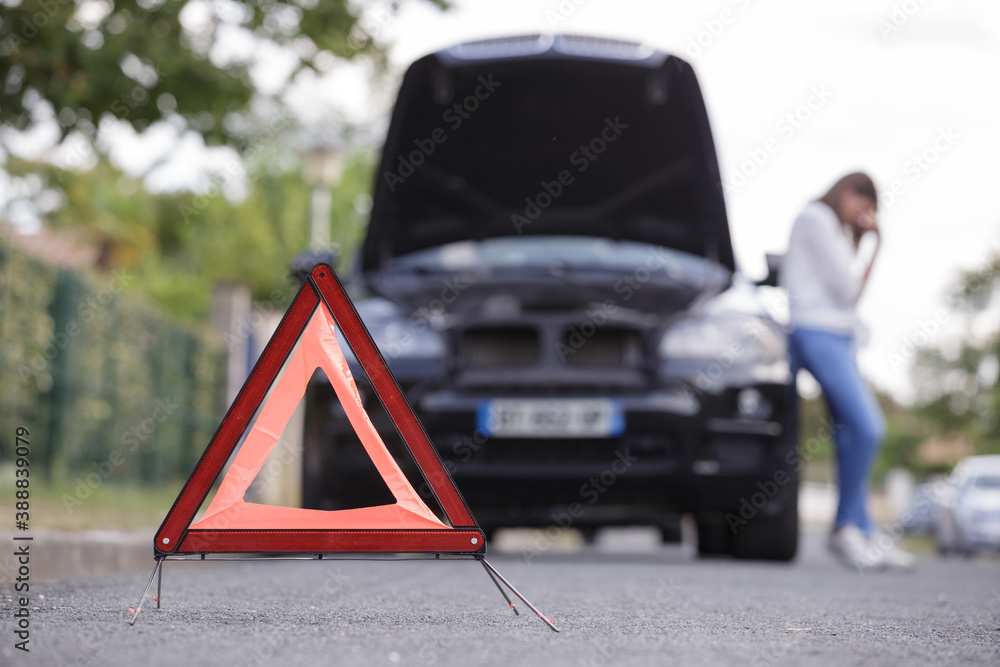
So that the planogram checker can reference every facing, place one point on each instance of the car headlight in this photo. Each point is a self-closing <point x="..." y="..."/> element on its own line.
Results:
<point x="404" y="339"/>
<point x="738" y="340"/>
<point x="396" y="336"/>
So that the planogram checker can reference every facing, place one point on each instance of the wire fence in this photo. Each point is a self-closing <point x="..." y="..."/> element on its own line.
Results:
<point x="104" y="382"/>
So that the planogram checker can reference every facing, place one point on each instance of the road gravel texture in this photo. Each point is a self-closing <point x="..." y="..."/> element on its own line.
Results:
<point x="615" y="605"/>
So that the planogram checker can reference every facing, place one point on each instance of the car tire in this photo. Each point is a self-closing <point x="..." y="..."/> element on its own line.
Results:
<point x="773" y="536"/>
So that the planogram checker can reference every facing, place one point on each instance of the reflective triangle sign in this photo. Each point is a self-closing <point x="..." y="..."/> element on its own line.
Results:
<point x="306" y="340"/>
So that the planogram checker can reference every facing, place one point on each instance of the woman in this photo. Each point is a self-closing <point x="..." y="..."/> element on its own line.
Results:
<point x="822" y="292"/>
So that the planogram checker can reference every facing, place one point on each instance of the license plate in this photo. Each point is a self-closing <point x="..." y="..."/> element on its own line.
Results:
<point x="551" y="418"/>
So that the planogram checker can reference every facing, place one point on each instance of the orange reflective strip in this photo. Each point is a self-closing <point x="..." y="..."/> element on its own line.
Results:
<point x="318" y="348"/>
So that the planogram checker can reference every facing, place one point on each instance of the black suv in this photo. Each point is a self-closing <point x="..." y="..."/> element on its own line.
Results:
<point x="549" y="273"/>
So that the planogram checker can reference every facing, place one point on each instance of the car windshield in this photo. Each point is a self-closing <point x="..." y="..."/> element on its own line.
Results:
<point x="568" y="254"/>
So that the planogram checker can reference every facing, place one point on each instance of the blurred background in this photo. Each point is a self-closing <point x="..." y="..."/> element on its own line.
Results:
<point x="163" y="161"/>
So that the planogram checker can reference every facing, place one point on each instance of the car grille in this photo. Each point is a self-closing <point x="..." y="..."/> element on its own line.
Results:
<point x="604" y="347"/>
<point x="499" y="347"/>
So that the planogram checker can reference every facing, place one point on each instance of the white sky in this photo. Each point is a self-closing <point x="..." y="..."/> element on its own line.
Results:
<point x="889" y="97"/>
<point x="890" y="91"/>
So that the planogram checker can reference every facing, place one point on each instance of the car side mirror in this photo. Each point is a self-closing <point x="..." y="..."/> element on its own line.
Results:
<point x="773" y="269"/>
<point x="304" y="262"/>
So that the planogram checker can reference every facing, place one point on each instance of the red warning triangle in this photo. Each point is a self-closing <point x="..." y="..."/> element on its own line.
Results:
<point x="304" y="341"/>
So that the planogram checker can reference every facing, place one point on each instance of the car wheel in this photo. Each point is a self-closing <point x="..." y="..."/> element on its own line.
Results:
<point x="772" y="536"/>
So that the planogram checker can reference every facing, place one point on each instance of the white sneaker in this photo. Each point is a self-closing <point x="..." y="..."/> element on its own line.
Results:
<point x="851" y="546"/>
<point x="890" y="556"/>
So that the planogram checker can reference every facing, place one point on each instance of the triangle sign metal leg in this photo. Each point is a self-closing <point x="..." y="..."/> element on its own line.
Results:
<point x="502" y="591"/>
<point x="149" y="584"/>
<point x="492" y="571"/>
<point x="159" y="582"/>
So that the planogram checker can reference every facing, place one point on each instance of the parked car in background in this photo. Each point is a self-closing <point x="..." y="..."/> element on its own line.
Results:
<point x="549" y="273"/>
<point x="919" y="515"/>
<point x="967" y="518"/>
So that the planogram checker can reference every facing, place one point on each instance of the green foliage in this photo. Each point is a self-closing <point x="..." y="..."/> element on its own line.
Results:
<point x="958" y="393"/>
<point x="179" y="245"/>
<point x="83" y="377"/>
<point x="977" y="288"/>
<point x="959" y="390"/>
<point x="114" y="505"/>
<point x="147" y="61"/>
<point x="104" y="383"/>
<point x="142" y="60"/>
<point x="906" y="430"/>
<point x="814" y="425"/>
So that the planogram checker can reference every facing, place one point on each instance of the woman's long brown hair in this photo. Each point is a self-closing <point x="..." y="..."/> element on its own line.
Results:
<point x="858" y="182"/>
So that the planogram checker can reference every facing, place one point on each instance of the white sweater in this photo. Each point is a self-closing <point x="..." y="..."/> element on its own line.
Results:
<point x="816" y="271"/>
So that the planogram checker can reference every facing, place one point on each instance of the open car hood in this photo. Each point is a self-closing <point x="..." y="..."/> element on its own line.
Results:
<point x="547" y="134"/>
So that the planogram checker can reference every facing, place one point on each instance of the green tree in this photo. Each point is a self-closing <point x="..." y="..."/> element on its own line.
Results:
<point x="85" y="65"/>
<point x="959" y="390"/>
<point x="141" y="61"/>
<point x="179" y="244"/>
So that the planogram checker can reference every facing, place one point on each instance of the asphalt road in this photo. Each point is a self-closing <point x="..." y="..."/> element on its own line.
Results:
<point x="625" y="601"/>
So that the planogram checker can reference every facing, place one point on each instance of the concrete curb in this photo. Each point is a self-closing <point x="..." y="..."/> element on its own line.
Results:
<point x="56" y="554"/>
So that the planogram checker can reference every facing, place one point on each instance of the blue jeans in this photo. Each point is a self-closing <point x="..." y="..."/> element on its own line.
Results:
<point x="858" y="424"/>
